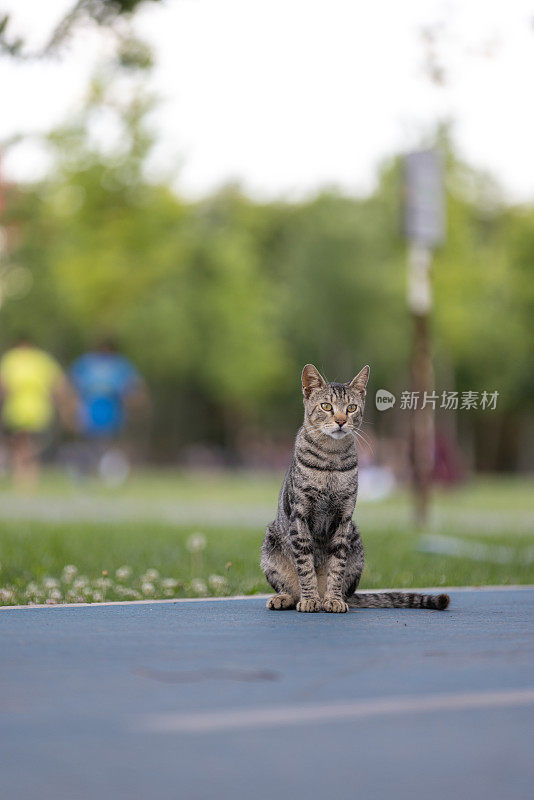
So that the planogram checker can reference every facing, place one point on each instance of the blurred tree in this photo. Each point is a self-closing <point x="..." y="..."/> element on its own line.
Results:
<point x="474" y="288"/>
<point x="180" y="286"/>
<point x="337" y="257"/>
<point x="483" y="332"/>
<point x="109" y="14"/>
<point x="221" y="302"/>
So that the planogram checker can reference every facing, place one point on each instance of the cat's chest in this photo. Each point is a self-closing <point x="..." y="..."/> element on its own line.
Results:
<point x="332" y="494"/>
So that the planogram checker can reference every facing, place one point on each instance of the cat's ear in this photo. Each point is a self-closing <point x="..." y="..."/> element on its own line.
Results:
<point x="311" y="380"/>
<point x="360" y="381"/>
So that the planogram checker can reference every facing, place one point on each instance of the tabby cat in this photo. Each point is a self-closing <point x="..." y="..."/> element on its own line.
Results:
<point x="312" y="553"/>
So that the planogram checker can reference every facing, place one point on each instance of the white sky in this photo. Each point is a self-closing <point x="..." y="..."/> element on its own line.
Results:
<point x="288" y="95"/>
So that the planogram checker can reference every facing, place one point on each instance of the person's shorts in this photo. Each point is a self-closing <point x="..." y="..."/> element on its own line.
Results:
<point x="38" y="439"/>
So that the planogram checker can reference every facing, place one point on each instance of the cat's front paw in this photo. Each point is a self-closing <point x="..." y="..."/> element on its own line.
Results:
<point x="334" y="605"/>
<point x="309" y="604"/>
<point x="280" y="602"/>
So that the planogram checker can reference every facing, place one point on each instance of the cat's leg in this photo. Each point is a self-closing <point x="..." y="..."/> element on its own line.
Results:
<point x="321" y="579"/>
<point x="339" y="548"/>
<point x="302" y="547"/>
<point x="355" y="564"/>
<point x="282" y="576"/>
<point x="280" y="571"/>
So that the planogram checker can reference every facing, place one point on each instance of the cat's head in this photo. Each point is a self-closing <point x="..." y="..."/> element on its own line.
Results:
<point x="335" y="409"/>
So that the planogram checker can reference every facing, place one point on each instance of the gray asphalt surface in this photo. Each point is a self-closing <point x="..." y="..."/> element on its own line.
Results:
<point x="227" y="700"/>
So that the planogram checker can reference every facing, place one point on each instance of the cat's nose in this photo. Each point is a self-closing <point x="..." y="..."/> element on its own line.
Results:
<point x="340" y="421"/>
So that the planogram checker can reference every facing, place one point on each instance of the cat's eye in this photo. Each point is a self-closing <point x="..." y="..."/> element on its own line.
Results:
<point x="352" y="408"/>
<point x="326" y="406"/>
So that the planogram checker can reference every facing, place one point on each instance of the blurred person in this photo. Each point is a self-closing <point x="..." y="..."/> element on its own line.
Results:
<point x="32" y="387"/>
<point x="448" y="467"/>
<point x="110" y="392"/>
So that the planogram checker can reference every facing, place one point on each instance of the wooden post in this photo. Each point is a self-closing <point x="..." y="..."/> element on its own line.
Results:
<point x="422" y="378"/>
<point x="422" y="428"/>
<point x="425" y="230"/>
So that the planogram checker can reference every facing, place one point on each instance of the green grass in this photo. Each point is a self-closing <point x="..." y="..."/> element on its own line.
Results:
<point x="496" y="513"/>
<point x="34" y="551"/>
<point x="226" y="487"/>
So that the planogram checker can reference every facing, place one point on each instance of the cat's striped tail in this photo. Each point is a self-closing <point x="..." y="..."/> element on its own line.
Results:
<point x="437" y="602"/>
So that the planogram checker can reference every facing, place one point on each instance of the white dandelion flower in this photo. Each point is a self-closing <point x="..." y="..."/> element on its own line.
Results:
<point x="147" y="587"/>
<point x="50" y="583"/>
<point x="196" y="542"/>
<point x="199" y="587"/>
<point x="217" y="583"/>
<point x="150" y="575"/>
<point x="123" y="573"/>
<point x="169" y="583"/>
<point x="69" y="572"/>
<point x="7" y="595"/>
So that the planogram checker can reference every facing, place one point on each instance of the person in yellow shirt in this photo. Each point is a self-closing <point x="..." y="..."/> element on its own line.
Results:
<point x="32" y="387"/>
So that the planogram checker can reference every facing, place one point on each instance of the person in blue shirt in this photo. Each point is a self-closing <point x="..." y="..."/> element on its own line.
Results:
<point x="106" y="383"/>
<point x="109" y="390"/>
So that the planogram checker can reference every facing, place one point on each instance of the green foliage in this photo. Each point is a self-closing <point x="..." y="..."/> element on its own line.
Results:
<point x="109" y="14"/>
<point x="477" y="320"/>
<point x="221" y="302"/>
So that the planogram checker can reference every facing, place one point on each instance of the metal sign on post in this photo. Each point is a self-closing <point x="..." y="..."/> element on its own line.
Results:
<point x="425" y="230"/>
<point x="424" y="208"/>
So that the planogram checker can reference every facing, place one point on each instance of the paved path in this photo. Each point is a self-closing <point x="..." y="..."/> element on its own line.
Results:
<point x="201" y="700"/>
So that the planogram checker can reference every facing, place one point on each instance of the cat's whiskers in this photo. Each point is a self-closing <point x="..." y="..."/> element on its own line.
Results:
<point x="363" y="440"/>
<point x="364" y="436"/>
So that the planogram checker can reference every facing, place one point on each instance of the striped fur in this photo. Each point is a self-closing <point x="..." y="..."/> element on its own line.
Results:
<point x="312" y="553"/>
<point x="436" y="602"/>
